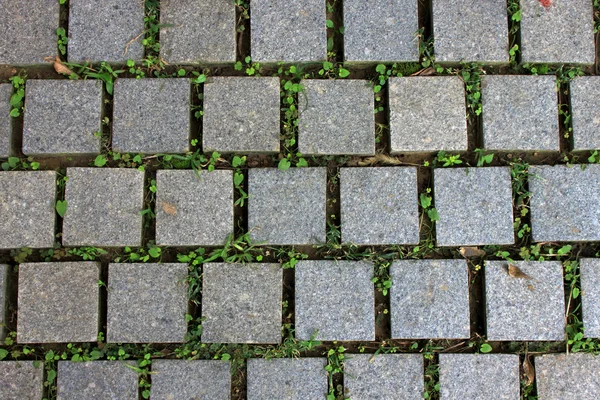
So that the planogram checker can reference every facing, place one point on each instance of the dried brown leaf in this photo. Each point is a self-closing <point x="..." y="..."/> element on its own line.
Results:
<point x="169" y="208"/>
<point x="62" y="68"/>
<point x="424" y="72"/>
<point x="380" y="158"/>
<point x="516" y="272"/>
<point x="469" y="252"/>
<point x="528" y="371"/>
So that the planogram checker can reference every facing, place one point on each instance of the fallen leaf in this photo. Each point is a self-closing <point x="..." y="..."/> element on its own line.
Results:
<point x="62" y="68"/>
<point x="169" y="208"/>
<point x="424" y="72"/>
<point x="528" y="371"/>
<point x="516" y="272"/>
<point x="469" y="252"/>
<point x="546" y="3"/>
<point x="380" y="158"/>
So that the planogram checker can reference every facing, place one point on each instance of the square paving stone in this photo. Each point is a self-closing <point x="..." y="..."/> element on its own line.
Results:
<point x="287" y="378"/>
<point x="384" y="376"/>
<point x="585" y="112"/>
<point x="93" y="380"/>
<point x="467" y="30"/>
<point x="192" y="210"/>
<point x="381" y="30"/>
<point x="21" y="380"/>
<point x="427" y="114"/>
<point x="27" y="209"/>
<point x="3" y="298"/>
<point x="474" y="206"/>
<point x="151" y="115"/>
<point x="103" y="207"/>
<point x="567" y="376"/>
<point x="147" y="303"/>
<point x="565" y="203"/>
<point x="29" y="28"/>
<point x="287" y="207"/>
<point x="379" y="205"/>
<point x="105" y="30"/>
<point x="429" y="299"/>
<point x="560" y="33"/>
<point x="58" y="302"/>
<point x="62" y="116"/>
<point x="241" y="303"/>
<point x="6" y="91"/>
<point x="590" y="296"/>
<point x="479" y="376"/>
<point x="520" y="112"/>
<point x="241" y="115"/>
<point x="335" y="300"/>
<point x="197" y="31"/>
<point x="336" y="117"/>
<point x="525" y="308"/>
<point x="289" y="31"/>
<point x="182" y="379"/>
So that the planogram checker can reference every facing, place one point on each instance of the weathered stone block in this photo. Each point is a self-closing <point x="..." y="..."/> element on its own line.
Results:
<point x="147" y="303"/>
<point x="336" y="117"/>
<point x="529" y="307"/>
<point x="151" y="115"/>
<point x="241" y="303"/>
<point x="429" y="299"/>
<point x="474" y="206"/>
<point x="567" y="376"/>
<point x="21" y="380"/>
<point x="379" y="205"/>
<point x="199" y="379"/>
<point x="103" y="207"/>
<point x="241" y="115"/>
<point x="6" y="91"/>
<point x="62" y="116"/>
<point x="427" y="114"/>
<point x="93" y="380"/>
<point x="335" y="300"/>
<point x="585" y="109"/>
<point x="27" y="209"/>
<point x="590" y="296"/>
<point x="287" y="207"/>
<point x="4" y="268"/>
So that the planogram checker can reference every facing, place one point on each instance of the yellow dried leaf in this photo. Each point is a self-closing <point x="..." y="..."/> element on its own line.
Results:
<point x="516" y="272"/>
<point x="469" y="252"/>
<point x="380" y="158"/>
<point x="169" y="208"/>
<point x="528" y="371"/>
<point x="62" y="68"/>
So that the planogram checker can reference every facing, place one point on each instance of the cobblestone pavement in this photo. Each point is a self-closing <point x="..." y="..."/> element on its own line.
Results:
<point x="309" y="199"/>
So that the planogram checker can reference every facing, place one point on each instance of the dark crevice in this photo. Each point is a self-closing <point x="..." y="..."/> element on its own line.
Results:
<point x="240" y="214"/>
<point x="335" y="39"/>
<point x="238" y="381"/>
<point x="243" y="28"/>
<point x="63" y="23"/>
<point x="332" y="197"/>
<point x="289" y="301"/>
<point x="565" y="126"/>
<point x="382" y="121"/>
<point x="103" y="299"/>
<point x="477" y="308"/>
<point x="149" y="220"/>
<point x="514" y="31"/>
<point x="425" y="17"/>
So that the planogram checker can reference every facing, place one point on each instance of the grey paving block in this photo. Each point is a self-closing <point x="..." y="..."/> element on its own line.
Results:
<point x="96" y="380"/>
<point x="479" y="376"/>
<point x="590" y="296"/>
<point x="565" y="203"/>
<point x="195" y="31"/>
<point x="103" y="207"/>
<point x="521" y="308"/>
<point x="58" y="302"/>
<point x="287" y="378"/>
<point x="560" y="33"/>
<point x="151" y="115"/>
<point x="427" y="114"/>
<point x="62" y="116"/>
<point x="381" y="30"/>
<point x="336" y="117"/>
<point x="182" y="379"/>
<point x="567" y="376"/>
<point x="474" y="206"/>
<point x="241" y="303"/>
<point x="384" y="376"/>
<point x="465" y="30"/>
<point x="147" y="303"/>
<point x="27" y="209"/>
<point x="107" y="30"/>
<point x="21" y="380"/>
<point x="287" y="207"/>
<point x="241" y="115"/>
<point x="585" y="112"/>
<point x="290" y="31"/>
<point x="520" y="112"/>
<point x="192" y="210"/>
<point x="5" y="119"/>
<point x="335" y="300"/>
<point x="429" y="299"/>
<point x="379" y="205"/>
<point x="29" y="31"/>
<point x="4" y="268"/>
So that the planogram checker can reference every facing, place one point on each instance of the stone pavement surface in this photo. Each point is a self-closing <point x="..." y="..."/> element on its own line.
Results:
<point x="274" y="199"/>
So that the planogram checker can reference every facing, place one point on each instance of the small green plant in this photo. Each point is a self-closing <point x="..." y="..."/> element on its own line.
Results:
<point x="243" y="10"/>
<point x="15" y="163"/>
<point x="150" y="253"/>
<point x="335" y="365"/>
<point x="288" y="257"/>
<point x="251" y="68"/>
<point x="514" y="13"/>
<point x="483" y="158"/>
<point x="61" y="207"/>
<point x="425" y="202"/>
<point x="62" y="40"/>
<point x="151" y="26"/>
<point x="447" y="160"/>
<point x="471" y="75"/>
<point x="382" y="278"/>
<point x="291" y="93"/>
<point x="332" y="70"/>
<point x="105" y="73"/>
<point x="238" y="179"/>
<point x="432" y="372"/>
<point x="87" y="253"/>
<point x="18" y="95"/>
<point x="134" y="70"/>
